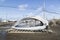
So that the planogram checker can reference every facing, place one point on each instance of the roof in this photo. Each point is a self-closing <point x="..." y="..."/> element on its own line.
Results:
<point x="38" y="18"/>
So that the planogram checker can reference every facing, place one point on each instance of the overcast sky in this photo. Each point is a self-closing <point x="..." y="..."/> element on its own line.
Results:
<point x="15" y="9"/>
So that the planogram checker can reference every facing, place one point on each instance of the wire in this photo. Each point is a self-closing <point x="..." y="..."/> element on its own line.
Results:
<point x="7" y="6"/>
<point x="52" y="12"/>
<point x="33" y="8"/>
<point x="16" y="7"/>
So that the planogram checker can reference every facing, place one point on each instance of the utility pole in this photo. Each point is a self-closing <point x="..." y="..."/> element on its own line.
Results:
<point x="44" y="9"/>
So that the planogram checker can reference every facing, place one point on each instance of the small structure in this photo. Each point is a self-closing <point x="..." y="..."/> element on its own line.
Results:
<point x="33" y="23"/>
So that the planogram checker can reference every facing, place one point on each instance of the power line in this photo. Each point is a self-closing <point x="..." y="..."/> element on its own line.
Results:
<point x="7" y="6"/>
<point x="16" y="7"/>
<point x="52" y="12"/>
<point x="43" y="9"/>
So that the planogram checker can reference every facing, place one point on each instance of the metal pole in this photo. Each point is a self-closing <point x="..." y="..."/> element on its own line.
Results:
<point x="44" y="9"/>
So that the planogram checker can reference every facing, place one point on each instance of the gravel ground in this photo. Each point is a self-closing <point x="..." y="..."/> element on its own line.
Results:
<point x="36" y="36"/>
<point x="33" y="36"/>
